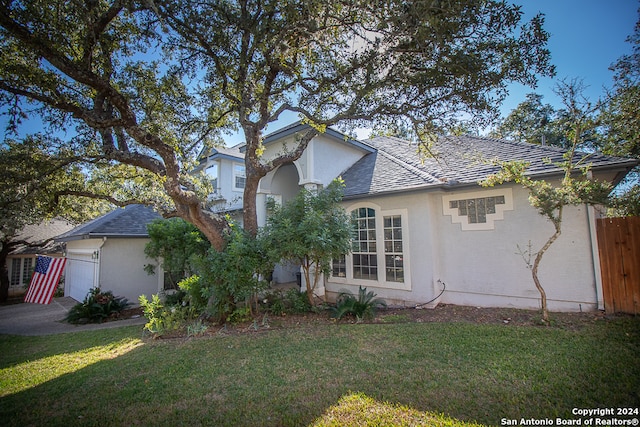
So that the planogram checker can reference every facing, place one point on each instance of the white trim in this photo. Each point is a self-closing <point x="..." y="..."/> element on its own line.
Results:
<point x="380" y="254"/>
<point x="491" y="218"/>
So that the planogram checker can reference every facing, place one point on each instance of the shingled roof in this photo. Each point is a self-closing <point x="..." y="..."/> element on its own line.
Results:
<point x="38" y="238"/>
<point x="397" y="166"/>
<point x="130" y="221"/>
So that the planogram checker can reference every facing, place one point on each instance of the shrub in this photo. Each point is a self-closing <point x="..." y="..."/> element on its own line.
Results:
<point x="233" y="277"/>
<point x="363" y="306"/>
<point x="291" y="301"/>
<point x="163" y="318"/>
<point x="96" y="307"/>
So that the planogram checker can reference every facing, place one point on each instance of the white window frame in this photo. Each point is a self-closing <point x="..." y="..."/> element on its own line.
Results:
<point x="463" y="220"/>
<point x="381" y="282"/>
<point x="238" y="173"/>
<point x="24" y="276"/>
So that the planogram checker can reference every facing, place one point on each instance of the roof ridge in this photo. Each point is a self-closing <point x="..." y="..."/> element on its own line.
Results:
<point x="408" y="166"/>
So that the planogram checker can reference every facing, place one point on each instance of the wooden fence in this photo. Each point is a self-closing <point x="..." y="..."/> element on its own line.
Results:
<point x="619" y="246"/>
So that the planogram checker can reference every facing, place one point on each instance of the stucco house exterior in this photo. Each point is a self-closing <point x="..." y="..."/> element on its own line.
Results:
<point x="427" y="233"/>
<point x="37" y="240"/>
<point x="108" y="252"/>
<point x="424" y="223"/>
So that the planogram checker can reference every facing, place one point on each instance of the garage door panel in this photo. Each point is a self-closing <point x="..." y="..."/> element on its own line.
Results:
<point x="80" y="275"/>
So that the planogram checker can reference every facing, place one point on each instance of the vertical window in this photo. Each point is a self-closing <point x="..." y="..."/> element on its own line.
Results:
<point x="393" y="255"/>
<point x="239" y="177"/>
<point x="364" y="253"/>
<point x="15" y="271"/>
<point x="339" y="266"/>
<point x="212" y="174"/>
<point x="27" y="270"/>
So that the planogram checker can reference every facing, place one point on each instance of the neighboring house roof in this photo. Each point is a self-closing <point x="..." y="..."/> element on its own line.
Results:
<point x="130" y="221"/>
<point x="231" y="153"/>
<point x="459" y="161"/>
<point x="39" y="237"/>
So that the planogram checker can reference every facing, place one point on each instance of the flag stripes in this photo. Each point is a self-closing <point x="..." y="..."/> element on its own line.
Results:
<point x="45" y="279"/>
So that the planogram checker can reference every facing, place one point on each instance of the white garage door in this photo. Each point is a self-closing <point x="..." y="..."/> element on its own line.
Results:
<point x="80" y="275"/>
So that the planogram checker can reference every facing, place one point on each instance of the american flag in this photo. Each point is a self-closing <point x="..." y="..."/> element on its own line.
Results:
<point x="45" y="279"/>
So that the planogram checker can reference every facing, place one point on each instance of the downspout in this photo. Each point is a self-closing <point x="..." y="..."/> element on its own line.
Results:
<point x="595" y="256"/>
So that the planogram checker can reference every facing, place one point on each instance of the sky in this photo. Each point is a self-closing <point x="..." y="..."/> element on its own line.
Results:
<point x="586" y="38"/>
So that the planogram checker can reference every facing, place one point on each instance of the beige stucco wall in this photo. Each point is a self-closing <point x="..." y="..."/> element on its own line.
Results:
<point x="483" y="267"/>
<point x="122" y="264"/>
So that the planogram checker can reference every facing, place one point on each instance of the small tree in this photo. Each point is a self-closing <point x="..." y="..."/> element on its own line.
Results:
<point x="311" y="229"/>
<point x="176" y="242"/>
<point x="575" y="188"/>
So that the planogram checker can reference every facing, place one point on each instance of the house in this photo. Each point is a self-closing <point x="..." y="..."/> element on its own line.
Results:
<point x="37" y="239"/>
<point x="427" y="233"/>
<point x="108" y="252"/>
<point x="226" y="171"/>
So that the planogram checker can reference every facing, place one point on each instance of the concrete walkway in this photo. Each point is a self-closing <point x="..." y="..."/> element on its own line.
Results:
<point x="38" y="319"/>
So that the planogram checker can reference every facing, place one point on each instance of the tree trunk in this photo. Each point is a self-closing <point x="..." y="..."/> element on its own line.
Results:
<point x="250" y="212"/>
<point x="4" y="273"/>
<point x="534" y="272"/>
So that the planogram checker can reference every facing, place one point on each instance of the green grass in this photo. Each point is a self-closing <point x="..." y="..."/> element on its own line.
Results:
<point x="323" y="375"/>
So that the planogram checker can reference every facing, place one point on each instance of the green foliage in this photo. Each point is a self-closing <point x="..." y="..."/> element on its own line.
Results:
<point x="310" y="229"/>
<point x="176" y="242"/>
<point x="236" y="274"/>
<point x="87" y="66"/>
<point x="96" y="307"/>
<point x="626" y="204"/>
<point x="363" y="306"/>
<point x="291" y="301"/>
<point x="193" y="293"/>
<point x="163" y="318"/>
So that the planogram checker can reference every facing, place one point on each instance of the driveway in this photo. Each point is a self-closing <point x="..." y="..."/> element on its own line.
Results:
<point x="38" y="319"/>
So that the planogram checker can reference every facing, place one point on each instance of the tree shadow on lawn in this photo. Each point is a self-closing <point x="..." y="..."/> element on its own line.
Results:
<point x="290" y="378"/>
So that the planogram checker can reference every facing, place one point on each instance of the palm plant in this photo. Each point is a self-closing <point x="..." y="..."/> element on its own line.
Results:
<point x="363" y="306"/>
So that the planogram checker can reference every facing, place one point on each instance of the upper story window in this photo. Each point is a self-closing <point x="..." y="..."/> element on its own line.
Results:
<point x="239" y="177"/>
<point x="478" y="210"/>
<point x="212" y="174"/>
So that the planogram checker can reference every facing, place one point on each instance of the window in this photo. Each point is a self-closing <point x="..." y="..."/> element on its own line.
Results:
<point x="393" y="254"/>
<point x="378" y="255"/>
<point x="15" y="271"/>
<point x="212" y="174"/>
<point x="364" y="250"/>
<point x="478" y="210"/>
<point x="21" y="271"/>
<point x="27" y="270"/>
<point x="239" y="177"/>
<point x="339" y="266"/>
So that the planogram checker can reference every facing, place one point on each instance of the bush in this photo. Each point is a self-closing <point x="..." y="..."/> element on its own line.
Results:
<point x="163" y="318"/>
<point x="364" y="306"/>
<point x="232" y="278"/>
<point x="291" y="301"/>
<point x="96" y="307"/>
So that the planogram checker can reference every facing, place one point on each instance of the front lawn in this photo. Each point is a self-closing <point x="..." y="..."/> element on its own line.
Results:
<point x="321" y="374"/>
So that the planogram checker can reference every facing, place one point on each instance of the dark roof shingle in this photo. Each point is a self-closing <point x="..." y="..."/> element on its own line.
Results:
<point x="130" y="221"/>
<point x="397" y="166"/>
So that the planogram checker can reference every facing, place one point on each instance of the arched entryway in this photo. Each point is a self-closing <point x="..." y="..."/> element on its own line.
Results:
<point x="285" y="185"/>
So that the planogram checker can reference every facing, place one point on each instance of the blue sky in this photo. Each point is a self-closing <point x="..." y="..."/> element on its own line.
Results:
<point x="587" y="37"/>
